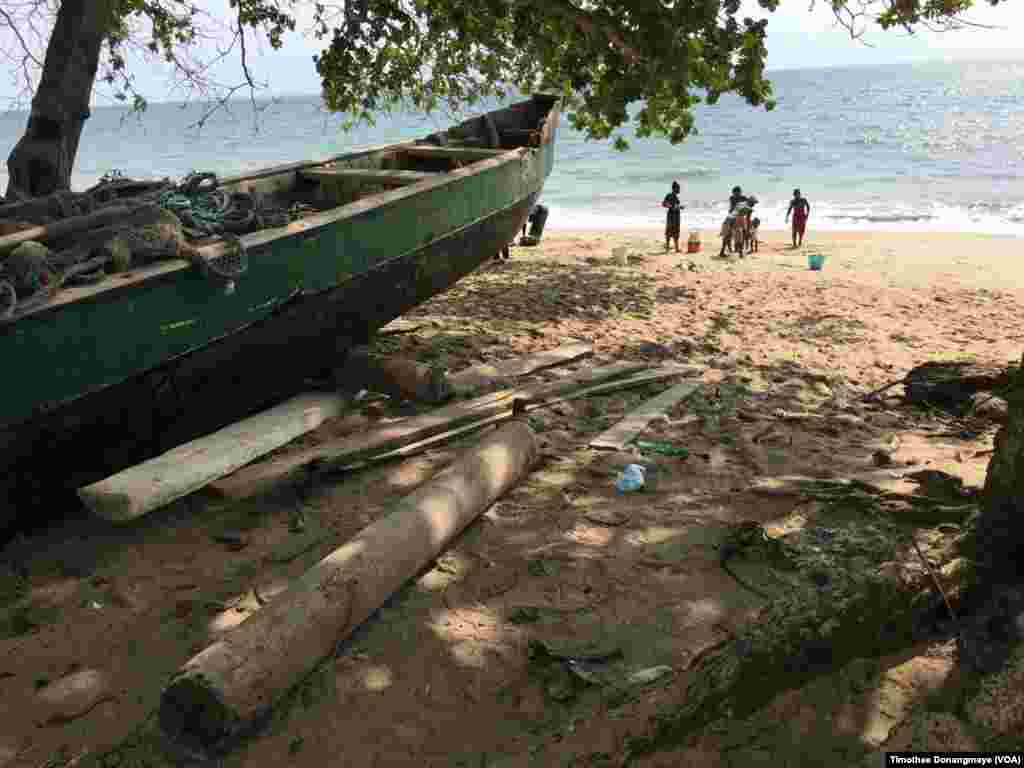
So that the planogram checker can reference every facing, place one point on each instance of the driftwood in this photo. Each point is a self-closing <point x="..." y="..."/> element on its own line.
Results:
<point x="234" y="682"/>
<point x="395" y="376"/>
<point x="950" y="384"/>
<point x="953" y="383"/>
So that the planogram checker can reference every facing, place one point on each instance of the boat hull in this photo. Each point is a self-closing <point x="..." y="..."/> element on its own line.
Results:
<point x="273" y="358"/>
<point x="177" y="357"/>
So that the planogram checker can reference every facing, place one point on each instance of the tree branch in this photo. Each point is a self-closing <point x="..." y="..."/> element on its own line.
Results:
<point x="24" y="45"/>
<point x="588" y="24"/>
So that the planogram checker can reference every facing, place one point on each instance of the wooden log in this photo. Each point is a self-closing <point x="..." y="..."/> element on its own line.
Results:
<point x="140" y="489"/>
<point x="621" y="434"/>
<point x="395" y="376"/>
<point x="350" y="450"/>
<point x="409" y="430"/>
<point x="127" y="215"/>
<point x="260" y="478"/>
<point x="237" y="680"/>
<point x="485" y="374"/>
<point x="526" y="406"/>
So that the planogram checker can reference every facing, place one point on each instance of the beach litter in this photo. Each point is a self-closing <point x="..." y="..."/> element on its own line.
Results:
<point x="631" y="479"/>
<point x="815" y="261"/>
<point x="662" y="447"/>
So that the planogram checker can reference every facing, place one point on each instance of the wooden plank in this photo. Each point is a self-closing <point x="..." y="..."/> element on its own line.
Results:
<point x="427" y="151"/>
<point x="621" y="434"/>
<point x="124" y="215"/>
<point x="598" y="389"/>
<point x="409" y="430"/>
<point x="397" y="434"/>
<point x="394" y="178"/>
<point x="398" y="326"/>
<point x="159" y="481"/>
<point x="484" y="374"/>
<point x="284" y="168"/>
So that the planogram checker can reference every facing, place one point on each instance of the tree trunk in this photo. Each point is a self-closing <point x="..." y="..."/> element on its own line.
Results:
<point x="42" y="160"/>
<point x="1001" y="525"/>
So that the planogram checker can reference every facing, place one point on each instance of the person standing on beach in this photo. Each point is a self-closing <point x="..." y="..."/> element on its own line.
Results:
<point x="673" y="217"/>
<point x="801" y="210"/>
<point x="736" y="198"/>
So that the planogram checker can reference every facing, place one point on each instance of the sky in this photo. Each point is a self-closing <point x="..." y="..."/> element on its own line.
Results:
<point x="797" y="38"/>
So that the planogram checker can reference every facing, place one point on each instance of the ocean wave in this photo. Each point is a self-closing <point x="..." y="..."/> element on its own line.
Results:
<point x="667" y="177"/>
<point x="881" y="218"/>
<point x="825" y="216"/>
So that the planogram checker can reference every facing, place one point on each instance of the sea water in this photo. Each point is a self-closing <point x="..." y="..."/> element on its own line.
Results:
<point x="919" y="147"/>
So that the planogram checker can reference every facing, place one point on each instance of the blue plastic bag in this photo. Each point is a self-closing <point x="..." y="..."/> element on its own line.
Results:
<point x="631" y="479"/>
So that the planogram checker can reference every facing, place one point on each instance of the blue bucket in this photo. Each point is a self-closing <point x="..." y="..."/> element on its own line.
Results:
<point x="815" y="260"/>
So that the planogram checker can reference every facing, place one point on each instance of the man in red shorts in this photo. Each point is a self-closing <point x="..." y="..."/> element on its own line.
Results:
<point x="801" y="210"/>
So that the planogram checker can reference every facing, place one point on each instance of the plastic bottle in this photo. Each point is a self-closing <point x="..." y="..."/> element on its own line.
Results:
<point x="631" y="479"/>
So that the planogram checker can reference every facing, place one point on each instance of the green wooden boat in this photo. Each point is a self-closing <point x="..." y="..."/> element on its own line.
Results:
<point x="104" y="376"/>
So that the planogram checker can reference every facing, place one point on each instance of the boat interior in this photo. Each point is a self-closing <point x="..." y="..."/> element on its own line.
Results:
<point x="312" y="189"/>
<point x="316" y="187"/>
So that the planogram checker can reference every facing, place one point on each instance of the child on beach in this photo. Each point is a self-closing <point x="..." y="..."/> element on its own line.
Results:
<point x="801" y="210"/>
<point x="740" y="207"/>
<point x="673" y="217"/>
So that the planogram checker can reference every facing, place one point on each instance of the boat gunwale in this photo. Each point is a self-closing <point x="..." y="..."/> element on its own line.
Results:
<point x="300" y="228"/>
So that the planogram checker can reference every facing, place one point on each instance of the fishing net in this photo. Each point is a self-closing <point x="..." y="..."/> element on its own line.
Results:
<point x="229" y="265"/>
<point x="27" y="268"/>
<point x="207" y="210"/>
<point x="8" y="300"/>
<point x="161" y="240"/>
<point x="195" y="209"/>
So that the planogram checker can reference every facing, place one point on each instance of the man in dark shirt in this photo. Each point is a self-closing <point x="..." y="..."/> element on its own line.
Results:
<point x="801" y="210"/>
<point x="674" y="216"/>
<point x="736" y="198"/>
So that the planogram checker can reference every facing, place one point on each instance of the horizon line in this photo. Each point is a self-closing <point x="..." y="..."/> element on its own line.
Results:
<point x="271" y="95"/>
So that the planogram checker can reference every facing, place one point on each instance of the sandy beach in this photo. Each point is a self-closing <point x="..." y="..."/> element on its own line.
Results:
<point x="884" y="301"/>
<point x="441" y="676"/>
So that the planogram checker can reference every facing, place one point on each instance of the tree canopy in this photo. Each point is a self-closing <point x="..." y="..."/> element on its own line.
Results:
<point x="604" y="56"/>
